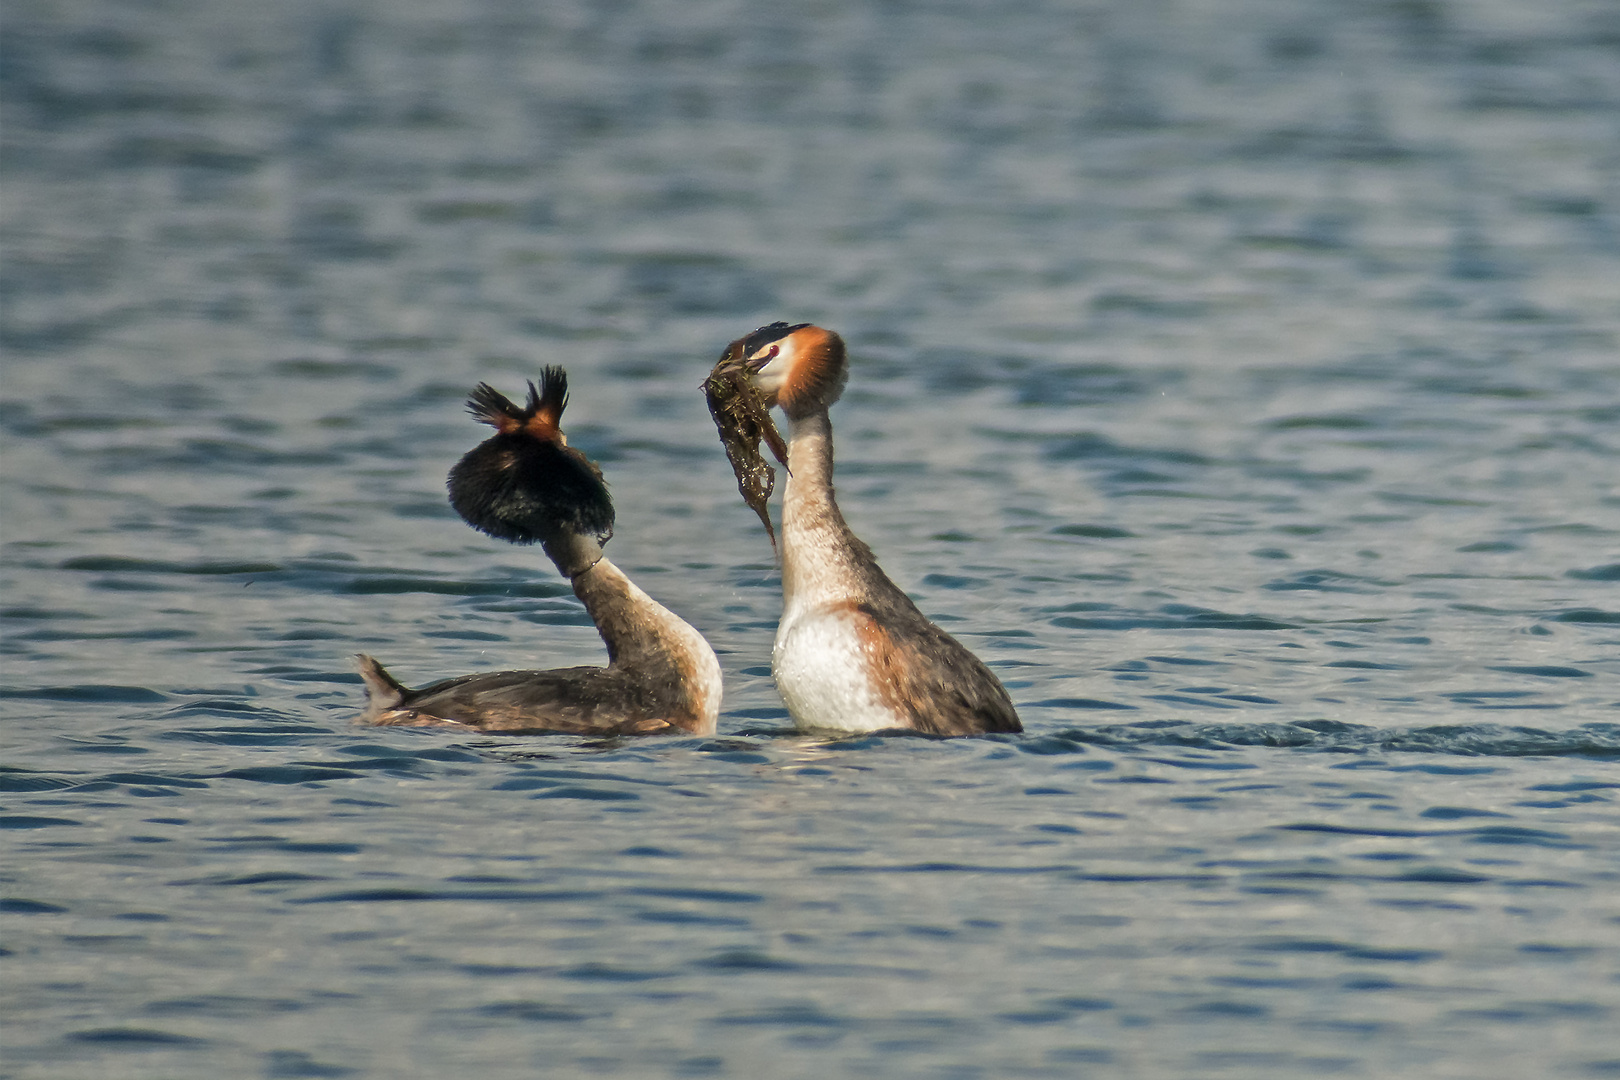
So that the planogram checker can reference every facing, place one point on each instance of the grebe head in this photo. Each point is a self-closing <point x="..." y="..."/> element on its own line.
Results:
<point x="525" y="484"/>
<point x="801" y="368"/>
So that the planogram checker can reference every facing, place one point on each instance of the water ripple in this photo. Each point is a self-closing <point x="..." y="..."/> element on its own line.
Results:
<point x="1595" y="740"/>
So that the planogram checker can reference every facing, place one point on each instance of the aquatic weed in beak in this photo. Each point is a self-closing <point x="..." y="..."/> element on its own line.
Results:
<point x="744" y="421"/>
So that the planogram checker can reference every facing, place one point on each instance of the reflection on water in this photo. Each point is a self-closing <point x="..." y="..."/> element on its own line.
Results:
<point x="1240" y="383"/>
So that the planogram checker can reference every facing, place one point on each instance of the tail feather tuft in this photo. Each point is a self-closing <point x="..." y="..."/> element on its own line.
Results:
<point x="383" y="691"/>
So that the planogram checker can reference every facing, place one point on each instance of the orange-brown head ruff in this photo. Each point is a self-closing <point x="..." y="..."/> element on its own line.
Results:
<point x="525" y="484"/>
<point x="803" y="369"/>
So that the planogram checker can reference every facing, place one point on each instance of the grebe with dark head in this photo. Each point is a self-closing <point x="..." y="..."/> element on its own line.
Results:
<point x="852" y="651"/>
<point x="525" y="484"/>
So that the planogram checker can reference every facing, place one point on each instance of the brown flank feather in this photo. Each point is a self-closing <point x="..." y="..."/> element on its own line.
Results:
<point x="925" y="675"/>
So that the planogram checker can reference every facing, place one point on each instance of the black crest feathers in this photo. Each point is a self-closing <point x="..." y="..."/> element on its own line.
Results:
<point x="525" y="484"/>
<point x="542" y="412"/>
<point x="747" y="346"/>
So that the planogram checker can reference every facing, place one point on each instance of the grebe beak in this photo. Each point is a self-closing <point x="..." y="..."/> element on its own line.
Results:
<point x="767" y="384"/>
<point x="750" y="357"/>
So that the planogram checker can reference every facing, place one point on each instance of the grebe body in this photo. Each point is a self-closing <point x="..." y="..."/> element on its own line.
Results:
<point x="852" y="651"/>
<point x="525" y="484"/>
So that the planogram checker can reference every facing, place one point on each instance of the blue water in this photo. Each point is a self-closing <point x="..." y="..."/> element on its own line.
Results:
<point x="1242" y="381"/>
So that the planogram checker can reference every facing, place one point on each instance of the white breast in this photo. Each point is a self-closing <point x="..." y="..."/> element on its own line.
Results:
<point x="824" y="674"/>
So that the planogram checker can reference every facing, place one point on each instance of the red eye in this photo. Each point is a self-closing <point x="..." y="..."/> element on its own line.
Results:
<point x="772" y="354"/>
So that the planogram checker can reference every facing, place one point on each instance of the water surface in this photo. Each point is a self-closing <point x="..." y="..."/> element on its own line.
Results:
<point x="1239" y="380"/>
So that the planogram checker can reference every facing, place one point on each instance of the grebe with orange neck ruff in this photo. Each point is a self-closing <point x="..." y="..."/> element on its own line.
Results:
<point x="525" y="485"/>
<point x="852" y="651"/>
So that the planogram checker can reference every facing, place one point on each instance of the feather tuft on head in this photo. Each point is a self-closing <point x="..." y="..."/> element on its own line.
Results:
<point x="541" y="415"/>
<point x="525" y="484"/>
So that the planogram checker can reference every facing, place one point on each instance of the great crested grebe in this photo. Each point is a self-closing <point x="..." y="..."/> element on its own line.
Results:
<point x="852" y="651"/>
<point x="526" y="484"/>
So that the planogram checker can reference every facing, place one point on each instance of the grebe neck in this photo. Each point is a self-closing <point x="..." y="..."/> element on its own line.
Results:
<point x="644" y="637"/>
<point x="821" y="559"/>
<point x="810" y="461"/>
<point x="633" y="625"/>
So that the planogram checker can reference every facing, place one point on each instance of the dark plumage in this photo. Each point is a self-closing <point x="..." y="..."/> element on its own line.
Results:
<point x="576" y="701"/>
<point x="662" y="677"/>
<point x="755" y="340"/>
<point x="525" y="484"/>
